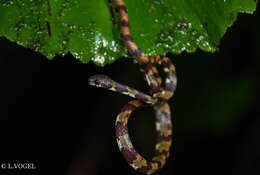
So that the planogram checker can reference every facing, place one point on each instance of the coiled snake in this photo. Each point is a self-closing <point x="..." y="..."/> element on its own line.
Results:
<point x="158" y="100"/>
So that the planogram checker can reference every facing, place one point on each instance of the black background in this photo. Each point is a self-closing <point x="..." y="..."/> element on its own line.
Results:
<point x="51" y="117"/>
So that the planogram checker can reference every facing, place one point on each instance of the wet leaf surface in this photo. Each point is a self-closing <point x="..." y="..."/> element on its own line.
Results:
<point x="86" y="28"/>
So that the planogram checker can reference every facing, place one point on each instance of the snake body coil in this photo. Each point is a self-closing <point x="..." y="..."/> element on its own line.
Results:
<point x="159" y="98"/>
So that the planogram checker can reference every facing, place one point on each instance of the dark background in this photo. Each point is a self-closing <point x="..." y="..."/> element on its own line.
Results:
<point x="51" y="117"/>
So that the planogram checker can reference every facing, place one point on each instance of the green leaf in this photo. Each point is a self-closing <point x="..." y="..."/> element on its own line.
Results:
<point x="85" y="28"/>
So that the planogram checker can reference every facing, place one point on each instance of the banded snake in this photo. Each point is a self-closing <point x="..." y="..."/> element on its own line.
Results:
<point x="158" y="100"/>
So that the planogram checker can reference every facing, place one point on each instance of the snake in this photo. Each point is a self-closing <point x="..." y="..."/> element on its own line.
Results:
<point x="158" y="99"/>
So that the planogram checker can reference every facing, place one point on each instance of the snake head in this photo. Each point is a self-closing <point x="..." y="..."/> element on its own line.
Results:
<point x="100" y="81"/>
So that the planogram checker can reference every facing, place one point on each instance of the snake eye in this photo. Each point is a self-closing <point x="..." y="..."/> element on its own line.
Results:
<point x="92" y="80"/>
<point x="97" y="82"/>
<point x="100" y="81"/>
